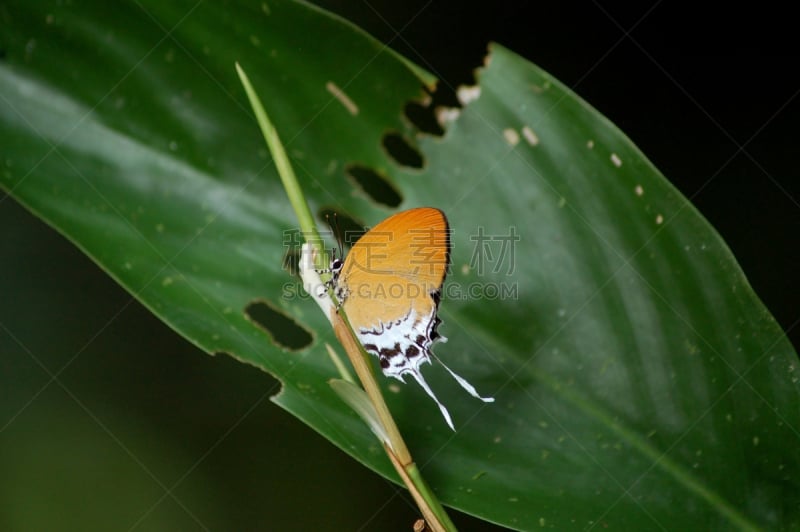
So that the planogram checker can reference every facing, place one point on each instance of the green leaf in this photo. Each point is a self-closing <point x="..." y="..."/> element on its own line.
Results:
<point x="640" y="383"/>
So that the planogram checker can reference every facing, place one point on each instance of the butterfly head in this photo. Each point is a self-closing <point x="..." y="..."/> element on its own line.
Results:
<point x="335" y="266"/>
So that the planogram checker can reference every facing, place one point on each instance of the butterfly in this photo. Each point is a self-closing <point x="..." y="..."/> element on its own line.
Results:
<point x="389" y="286"/>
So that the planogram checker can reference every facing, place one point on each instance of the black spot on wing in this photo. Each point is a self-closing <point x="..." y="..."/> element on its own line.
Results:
<point x="386" y="354"/>
<point x="412" y="351"/>
<point x="390" y="352"/>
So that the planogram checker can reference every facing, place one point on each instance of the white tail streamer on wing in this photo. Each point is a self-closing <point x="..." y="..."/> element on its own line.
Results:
<point x="459" y="379"/>
<point x="464" y="384"/>
<point x="421" y="380"/>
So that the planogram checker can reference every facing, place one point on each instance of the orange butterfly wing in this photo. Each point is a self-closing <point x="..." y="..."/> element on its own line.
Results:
<point x="395" y="267"/>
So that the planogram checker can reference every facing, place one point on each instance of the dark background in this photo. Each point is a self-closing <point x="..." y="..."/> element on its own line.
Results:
<point x="135" y="411"/>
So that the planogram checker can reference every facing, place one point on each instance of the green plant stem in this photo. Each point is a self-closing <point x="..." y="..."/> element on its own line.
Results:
<point x="365" y="374"/>
<point x="286" y="173"/>
<point x="428" y="496"/>
<point x="431" y="508"/>
<point x="398" y="452"/>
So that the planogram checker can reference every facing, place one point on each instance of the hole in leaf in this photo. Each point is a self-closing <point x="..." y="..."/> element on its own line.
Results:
<point x="342" y="226"/>
<point x="374" y="185"/>
<point x="283" y="330"/>
<point x="423" y="118"/>
<point x="230" y="362"/>
<point x="401" y="151"/>
<point x="444" y="95"/>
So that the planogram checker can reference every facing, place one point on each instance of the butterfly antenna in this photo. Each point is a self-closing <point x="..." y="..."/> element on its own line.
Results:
<point x="337" y="231"/>
<point x="333" y="223"/>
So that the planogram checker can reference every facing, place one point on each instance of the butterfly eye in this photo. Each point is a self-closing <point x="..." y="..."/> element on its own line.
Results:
<point x="336" y="265"/>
